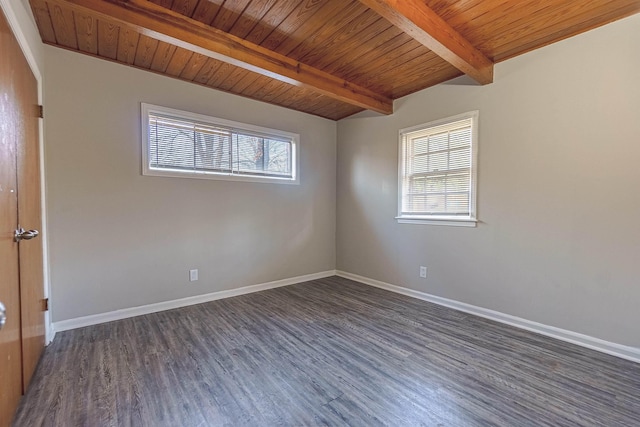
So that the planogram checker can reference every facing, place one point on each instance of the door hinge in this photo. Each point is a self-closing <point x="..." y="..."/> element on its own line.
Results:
<point x="41" y="111"/>
<point x="45" y="304"/>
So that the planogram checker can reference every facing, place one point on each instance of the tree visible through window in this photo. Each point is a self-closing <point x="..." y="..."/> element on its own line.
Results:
<point x="261" y="154"/>
<point x="181" y="144"/>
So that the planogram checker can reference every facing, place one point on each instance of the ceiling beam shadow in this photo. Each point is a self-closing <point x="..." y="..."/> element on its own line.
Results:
<point x="171" y="27"/>
<point x="424" y="25"/>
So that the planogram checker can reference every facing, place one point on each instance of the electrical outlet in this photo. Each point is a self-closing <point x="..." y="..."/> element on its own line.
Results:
<point x="423" y="272"/>
<point x="193" y="275"/>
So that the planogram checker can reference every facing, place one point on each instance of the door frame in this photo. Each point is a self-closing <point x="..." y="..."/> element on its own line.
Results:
<point x="18" y="18"/>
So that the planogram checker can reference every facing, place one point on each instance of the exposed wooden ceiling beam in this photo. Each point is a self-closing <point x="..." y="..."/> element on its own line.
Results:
<point x="171" y="27"/>
<point x="420" y="22"/>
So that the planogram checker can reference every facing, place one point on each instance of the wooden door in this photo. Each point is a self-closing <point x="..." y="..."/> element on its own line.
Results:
<point x="10" y="335"/>
<point x="21" y="281"/>
<point x="30" y="217"/>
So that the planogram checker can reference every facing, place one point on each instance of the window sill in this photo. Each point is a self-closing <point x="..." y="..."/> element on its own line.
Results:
<point x="449" y="221"/>
<point x="174" y="173"/>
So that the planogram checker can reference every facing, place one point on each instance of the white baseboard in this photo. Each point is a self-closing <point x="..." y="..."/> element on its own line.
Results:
<point x="79" y="322"/>
<point x="619" y="350"/>
<point x="614" y="349"/>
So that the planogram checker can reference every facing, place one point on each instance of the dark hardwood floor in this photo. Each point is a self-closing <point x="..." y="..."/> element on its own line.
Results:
<point x="325" y="352"/>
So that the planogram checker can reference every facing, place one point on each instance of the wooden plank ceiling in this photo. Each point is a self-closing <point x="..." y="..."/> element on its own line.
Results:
<point x="331" y="58"/>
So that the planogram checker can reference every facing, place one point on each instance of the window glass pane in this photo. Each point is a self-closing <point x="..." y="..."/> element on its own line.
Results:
<point x="248" y="153"/>
<point x="261" y="155"/>
<point x="458" y="182"/>
<point x="278" y="157"/>
<point x="436" y="184"/>
<point x="438" y="162"/>
<point x="417" y="203"/>
<point x="418" y="185"/>
<point x="457" y="203"/>
<point x="171" y="144"/>
<point x="420" y="164"/>
<point x="460" y="138"/>
<point x="439" y="142"/>
<point x="437" y="178"/>
<point x="436" y="203"/>
<point x="420" y="145"/>
<point x="189" y="145"/>
<point x="213" y="150"/>
<point x="460" y="158"/>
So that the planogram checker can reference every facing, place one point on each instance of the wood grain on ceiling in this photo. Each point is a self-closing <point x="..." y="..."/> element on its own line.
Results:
<point x="331" y="58"/>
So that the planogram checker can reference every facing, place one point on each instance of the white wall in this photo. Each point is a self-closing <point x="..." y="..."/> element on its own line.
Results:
<point x="119" y="239"/>
<point x="559" y="190"/>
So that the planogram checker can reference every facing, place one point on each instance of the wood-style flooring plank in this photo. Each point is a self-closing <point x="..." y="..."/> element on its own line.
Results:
<point x="328" y="352"/>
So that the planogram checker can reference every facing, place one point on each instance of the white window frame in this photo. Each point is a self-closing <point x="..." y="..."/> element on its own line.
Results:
<point x="461" y="221"/>
<point x="147" y="109"/>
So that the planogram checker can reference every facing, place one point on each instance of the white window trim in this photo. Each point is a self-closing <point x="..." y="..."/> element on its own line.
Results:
<point x="146" y="109"/>
<point x="455" y="221"/>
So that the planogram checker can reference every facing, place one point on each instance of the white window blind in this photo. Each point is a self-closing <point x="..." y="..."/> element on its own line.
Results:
<point x="437" y="170"/>
<point x="178" y="143"/>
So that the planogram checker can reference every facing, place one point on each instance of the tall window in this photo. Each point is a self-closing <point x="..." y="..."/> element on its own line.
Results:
<point x="437" y="172"/>
<point x="183" y="144"/>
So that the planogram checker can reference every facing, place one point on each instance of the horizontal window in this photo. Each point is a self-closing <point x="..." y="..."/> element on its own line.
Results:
<point x="183" y="144"/>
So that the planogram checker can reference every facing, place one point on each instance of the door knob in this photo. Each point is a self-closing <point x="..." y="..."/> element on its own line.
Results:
<point x="3" y="315"/>
<point x="22" y="234"/>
